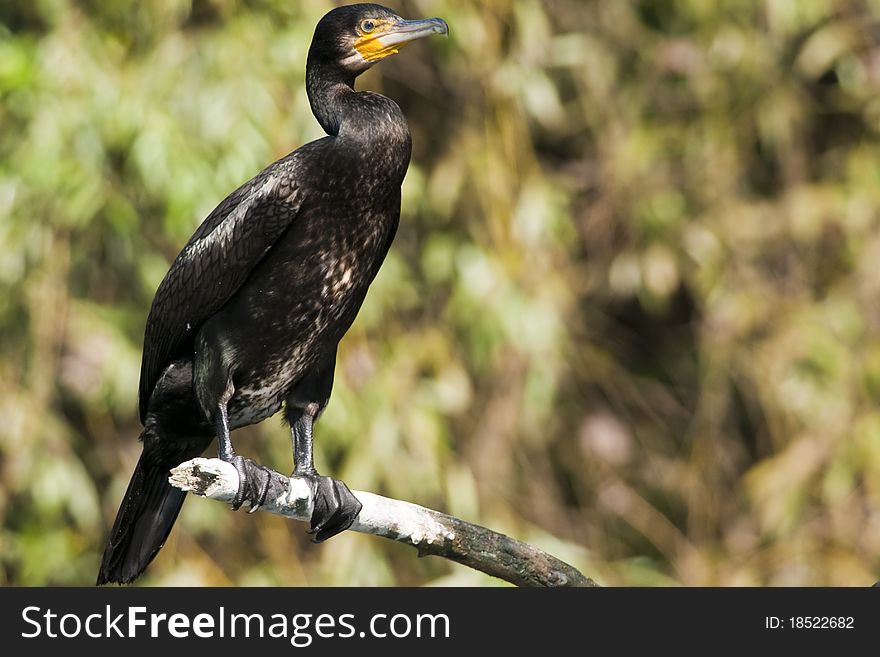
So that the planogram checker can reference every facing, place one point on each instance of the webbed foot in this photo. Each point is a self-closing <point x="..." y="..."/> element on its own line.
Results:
<point x="336" y="508"/>
<point x="253" y="483"/>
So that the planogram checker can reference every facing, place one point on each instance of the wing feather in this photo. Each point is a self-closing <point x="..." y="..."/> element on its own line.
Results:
<point x="215" y="262"/>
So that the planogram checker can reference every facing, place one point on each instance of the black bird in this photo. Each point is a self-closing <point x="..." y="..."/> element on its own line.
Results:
<point x="251" y="312"/>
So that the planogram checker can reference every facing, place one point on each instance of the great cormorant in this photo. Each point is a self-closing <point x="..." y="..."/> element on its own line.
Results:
<point x="251" y="312"/>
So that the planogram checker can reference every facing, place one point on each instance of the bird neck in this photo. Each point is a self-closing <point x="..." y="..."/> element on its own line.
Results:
<point x="328" y="87"/>
<point x="368" y="124"/>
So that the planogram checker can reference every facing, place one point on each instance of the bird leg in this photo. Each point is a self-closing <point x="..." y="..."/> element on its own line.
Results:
<point x="335" y="507"/>
<point x="253" y="479"/>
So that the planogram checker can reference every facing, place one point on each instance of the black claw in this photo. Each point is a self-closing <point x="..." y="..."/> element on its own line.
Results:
<point x="241" y="468"/>
<point x="327" y="504"/>
<point x="335" y="508"/>
<point x="261" y="499"/>
<point x="253" y="483"/>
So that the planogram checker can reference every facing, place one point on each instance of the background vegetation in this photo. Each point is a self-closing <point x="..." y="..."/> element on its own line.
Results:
<point x="630" y="316"/>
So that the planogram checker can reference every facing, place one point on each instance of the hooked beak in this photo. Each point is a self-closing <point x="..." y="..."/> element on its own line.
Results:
<point x="406" y="31"/>
<point x="389" y="41"/>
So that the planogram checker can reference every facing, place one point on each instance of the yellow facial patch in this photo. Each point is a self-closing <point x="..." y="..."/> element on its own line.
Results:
<point x="370" y="45"/>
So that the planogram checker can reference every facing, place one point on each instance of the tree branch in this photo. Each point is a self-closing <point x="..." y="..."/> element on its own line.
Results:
<point x="429" y="531"/>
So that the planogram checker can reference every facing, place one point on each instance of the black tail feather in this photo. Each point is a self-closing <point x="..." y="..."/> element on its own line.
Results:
<point x="146" y="516"/>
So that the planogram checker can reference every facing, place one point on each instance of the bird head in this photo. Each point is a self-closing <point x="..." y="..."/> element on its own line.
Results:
<point x="355" y="37"/>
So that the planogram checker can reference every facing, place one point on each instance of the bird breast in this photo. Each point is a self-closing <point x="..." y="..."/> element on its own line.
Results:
<point x="292" y="312"/>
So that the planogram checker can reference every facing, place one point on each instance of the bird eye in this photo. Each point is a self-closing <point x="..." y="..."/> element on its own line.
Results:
<point x="367" y="26"/>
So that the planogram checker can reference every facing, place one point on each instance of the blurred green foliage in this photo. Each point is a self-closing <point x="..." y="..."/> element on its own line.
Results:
<point x="630" y="315"/>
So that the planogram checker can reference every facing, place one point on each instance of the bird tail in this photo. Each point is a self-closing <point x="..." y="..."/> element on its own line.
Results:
<point x="147" y="512"/>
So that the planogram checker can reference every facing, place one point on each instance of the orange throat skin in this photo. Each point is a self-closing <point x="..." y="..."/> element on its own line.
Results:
<point x="372" y="49"/>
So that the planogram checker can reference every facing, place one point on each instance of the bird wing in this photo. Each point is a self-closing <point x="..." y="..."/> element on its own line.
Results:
<point x="215" y="262"/>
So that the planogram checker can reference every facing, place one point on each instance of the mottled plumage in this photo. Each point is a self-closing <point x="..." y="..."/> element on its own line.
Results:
<point x="251" y="312"/>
